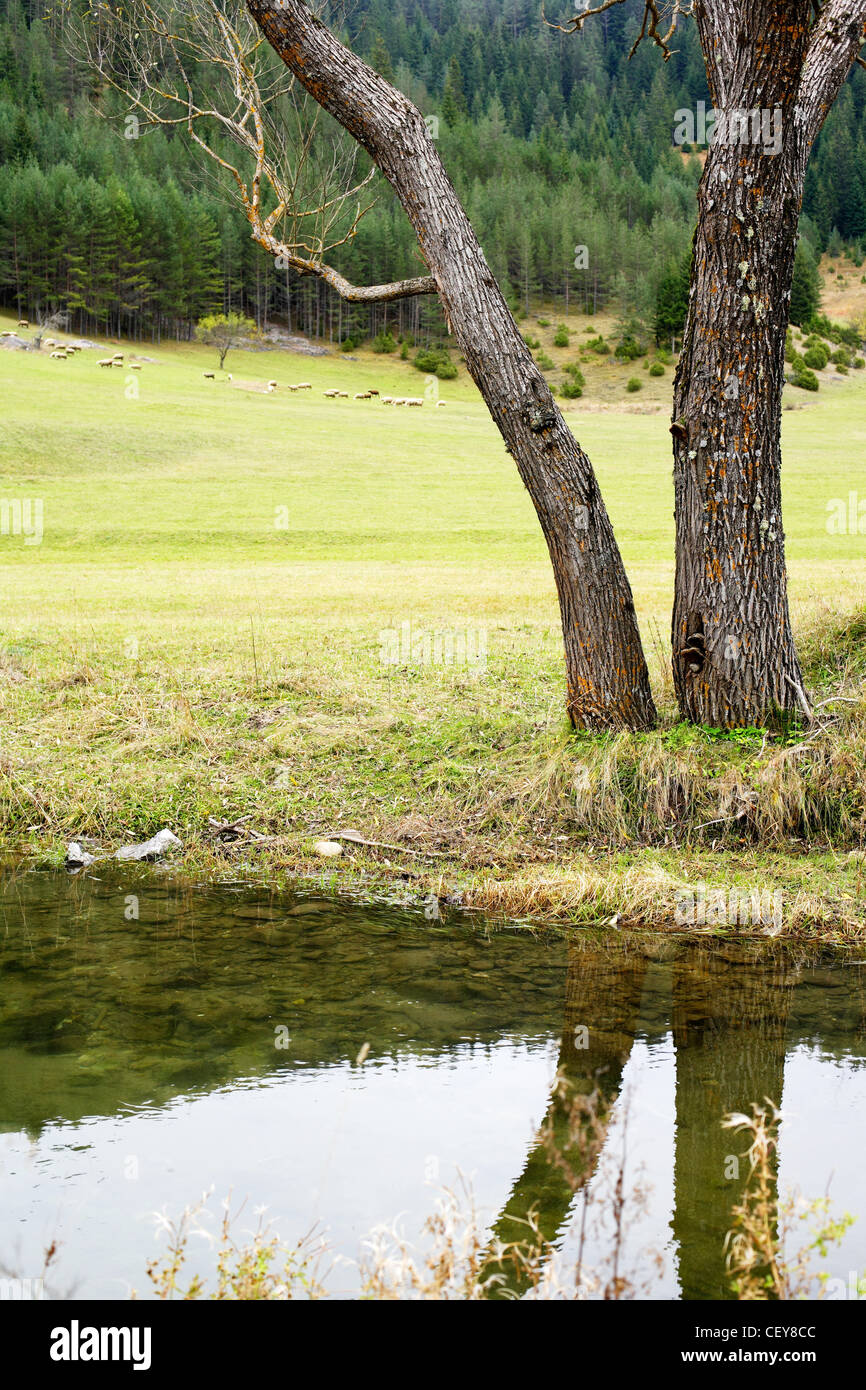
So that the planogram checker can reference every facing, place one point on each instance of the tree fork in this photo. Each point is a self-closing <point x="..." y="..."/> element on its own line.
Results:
<point x="607" y="679"/>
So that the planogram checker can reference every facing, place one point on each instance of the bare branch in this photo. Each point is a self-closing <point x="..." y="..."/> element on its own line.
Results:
<point x="195" y="68"/>
<point x="656" y="15"/>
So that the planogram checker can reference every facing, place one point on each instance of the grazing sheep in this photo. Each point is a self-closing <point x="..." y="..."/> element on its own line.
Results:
<point x="330" y="394"/>
<point x="362" y="396"/>
<point x="49" y="342"/>
<point x="209" y="376"/>
<point x="135" y="366"/>
<point x="23" y="323"/>
<point x="387" y="400"/>
<point x="439" y="404"/>
<point x="415" y="400"/>
<point x="61" y="356"/>
<point x="305" y="386"/>
<point x="8" y="334"/>
<point x="106" y="362"/>
<point x="372" y="392"/>
<point x="343" y="395"/>
<point x="272" y="386"/>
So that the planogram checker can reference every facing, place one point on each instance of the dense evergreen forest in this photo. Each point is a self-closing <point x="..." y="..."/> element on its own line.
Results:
<point x="554" y="142"/>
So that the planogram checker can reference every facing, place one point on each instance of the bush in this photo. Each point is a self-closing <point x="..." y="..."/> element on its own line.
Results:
<point x="836" y="332"/>
<point x="634" y="384"/>
<point x="806" y="380"/>
<point x="436" y="362"/>
<point x="562" y="338"/>
<point x="628" y="349"/>
<point x="544" y="323"/>
<point x="657" y="369"/>
<point x="573" y="387"/>
<point x="859" y="362"/>
<point x="384" y="342"/>
<point x="816" y="357"/>
<point x="841" y="357"/>
<point x="348" y="345"/>
<point x="598" y="345"/>
<point x="531" y="343"/>
<point x="544" y="362"/>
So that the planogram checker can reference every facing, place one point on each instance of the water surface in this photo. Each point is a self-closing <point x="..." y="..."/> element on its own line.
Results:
<point x="212" y="1040"/>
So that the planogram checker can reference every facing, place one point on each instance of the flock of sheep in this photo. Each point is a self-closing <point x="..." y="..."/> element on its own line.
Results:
<point x="336" y="395"/>
<point x="61" y="351"/>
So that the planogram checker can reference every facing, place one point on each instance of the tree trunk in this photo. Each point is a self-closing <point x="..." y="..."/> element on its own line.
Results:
<point x="607" y="679"/>
<point x="734" y="658"/>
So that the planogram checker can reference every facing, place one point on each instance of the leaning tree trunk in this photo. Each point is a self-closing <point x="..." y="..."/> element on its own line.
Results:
<point x="607" y="680"/>
<point x="734" y="658"/>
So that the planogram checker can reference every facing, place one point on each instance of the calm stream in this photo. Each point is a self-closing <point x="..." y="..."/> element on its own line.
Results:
<point x="213" y="1042"/>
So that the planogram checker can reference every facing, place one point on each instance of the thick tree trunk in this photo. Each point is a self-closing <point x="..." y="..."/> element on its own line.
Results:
<point x="607" y="680"/>
<point x="734" y="658"/>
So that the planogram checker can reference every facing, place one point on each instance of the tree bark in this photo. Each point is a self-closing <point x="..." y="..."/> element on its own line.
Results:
<point x="607" y="679"/>
<point x="734" y="658"/>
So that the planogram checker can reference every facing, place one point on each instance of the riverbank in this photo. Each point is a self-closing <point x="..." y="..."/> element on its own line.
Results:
<point x="461" y="798"/>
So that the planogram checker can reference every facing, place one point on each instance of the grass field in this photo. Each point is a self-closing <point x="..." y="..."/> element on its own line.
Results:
<point x="200" y="631"/>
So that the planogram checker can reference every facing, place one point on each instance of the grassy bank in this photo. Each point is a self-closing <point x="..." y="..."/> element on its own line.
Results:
<point x="242" y="606"/>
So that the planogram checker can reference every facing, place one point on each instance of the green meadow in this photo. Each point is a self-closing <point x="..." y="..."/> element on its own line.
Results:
<point x="200" y="632"/>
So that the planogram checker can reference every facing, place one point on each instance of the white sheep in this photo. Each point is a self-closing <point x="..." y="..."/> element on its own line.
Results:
<point x="60" y="356"/>
<point x="305" y="386"/>
<point x="106" y="362"/>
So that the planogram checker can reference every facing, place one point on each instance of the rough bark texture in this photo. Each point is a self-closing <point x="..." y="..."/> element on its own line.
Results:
<point x="608" y="685"/>
<point x="734" y="658"/>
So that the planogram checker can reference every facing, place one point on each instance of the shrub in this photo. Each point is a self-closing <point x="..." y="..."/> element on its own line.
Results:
<point x="384" y="342"/>
<point x="562" y="338"/>
<point x="816" y="357"/>
<point x="532" y="343"/>
<point x="628" y="348"/>
<point x="859" y="362"/>
<point x="544" y="323"/>
<point x="806" y="380"/>
<point x="544" y="362"/>
<point x="348" y="345"/>
<point x="657" y="369"/>
<point x="436" y="362"/>
<point x="634" y="383"/>
<point x="598" y="345"/>
<point x="573" y="387"/>
<point x="841" y="357"/>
